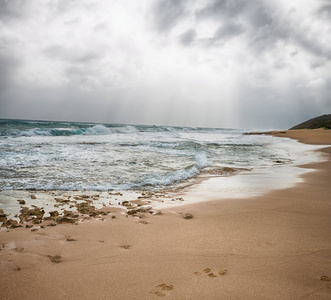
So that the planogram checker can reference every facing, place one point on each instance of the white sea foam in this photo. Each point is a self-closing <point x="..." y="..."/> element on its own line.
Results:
<point x="169" y="178"/>
<point x="202" y="160"/>
<point x="102" y="130"/>
<point x="98" y="129"/>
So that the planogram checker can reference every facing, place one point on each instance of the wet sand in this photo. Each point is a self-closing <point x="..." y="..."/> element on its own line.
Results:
<point x="275" y="246"/>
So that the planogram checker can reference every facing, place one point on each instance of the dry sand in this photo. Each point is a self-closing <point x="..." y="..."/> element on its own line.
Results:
<point x="276" y="246"/>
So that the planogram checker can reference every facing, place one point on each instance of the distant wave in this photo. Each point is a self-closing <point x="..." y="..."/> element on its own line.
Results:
<point x="94" y="130"/>
<point x="103" y="130"/>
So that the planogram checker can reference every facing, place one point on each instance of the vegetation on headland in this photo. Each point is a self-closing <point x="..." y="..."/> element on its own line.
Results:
<point x="323" y="121"/>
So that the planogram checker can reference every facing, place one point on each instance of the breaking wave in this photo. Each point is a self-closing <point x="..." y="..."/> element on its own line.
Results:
<point x="94" y="130"/>
<point x="76" y="155"/>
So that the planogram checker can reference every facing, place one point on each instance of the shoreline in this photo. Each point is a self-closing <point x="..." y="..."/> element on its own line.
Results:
<point x="211" y="183"/>
<point x="272" y="246"/>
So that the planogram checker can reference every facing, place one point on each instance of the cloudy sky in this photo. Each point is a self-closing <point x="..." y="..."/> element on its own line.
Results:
<point x="214" y="63"/>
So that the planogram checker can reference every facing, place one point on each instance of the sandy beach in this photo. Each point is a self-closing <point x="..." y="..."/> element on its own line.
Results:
<point x="275" y="246"/>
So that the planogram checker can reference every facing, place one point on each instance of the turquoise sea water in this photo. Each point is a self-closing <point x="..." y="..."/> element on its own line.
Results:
<point x="73" y="156"/>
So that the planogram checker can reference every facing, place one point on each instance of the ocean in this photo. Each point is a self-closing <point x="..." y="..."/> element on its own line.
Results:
<point x="48" y="155"/>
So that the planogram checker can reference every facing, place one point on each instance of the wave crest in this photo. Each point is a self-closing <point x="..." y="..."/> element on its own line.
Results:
<point x="94" y="130"/>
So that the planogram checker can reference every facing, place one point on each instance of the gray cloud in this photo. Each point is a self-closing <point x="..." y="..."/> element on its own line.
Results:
<point x="261" y="26"/>
<point x="64" y="6"/>
<point x="12" y="9"/>
<point x="255" y="12"/>
<point x="74" y="54"/>
<point x="232" y="17"/>
<point x="257" y="20"/>
<point x="325" y="11"/>
<point x="238" y="16"/>
<point x="222" y="8"/>
<point x="267" y="38"/>
<point x="188" y="37"/>
<point x="313" y="46"/>
<point x="228" y="31"/>
<point x="259" y="14"/>
<point x="167" y="13"/>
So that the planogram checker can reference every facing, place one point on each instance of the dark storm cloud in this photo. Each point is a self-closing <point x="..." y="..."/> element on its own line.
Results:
<point x="167" y="13"/>
<point x="234" y="17"/>
<point x="263" y="28"/>
<point x="188" y="37"/>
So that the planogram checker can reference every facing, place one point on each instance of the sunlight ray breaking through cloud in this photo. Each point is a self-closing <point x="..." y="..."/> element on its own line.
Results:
<point x="217" y="63"/>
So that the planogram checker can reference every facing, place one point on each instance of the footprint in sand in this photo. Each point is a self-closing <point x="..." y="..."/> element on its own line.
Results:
<point x="165" y="287"/>
<point x="18" y="249"/>
<point x="325" y="278"/>
<point x="143" y="222"/>
<point x="157" y="293"/>
<point x="223" y="272"/>
<point x="55" y="259"/>
<point x="161" y="288"/>
<point x="210" y="274"/>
